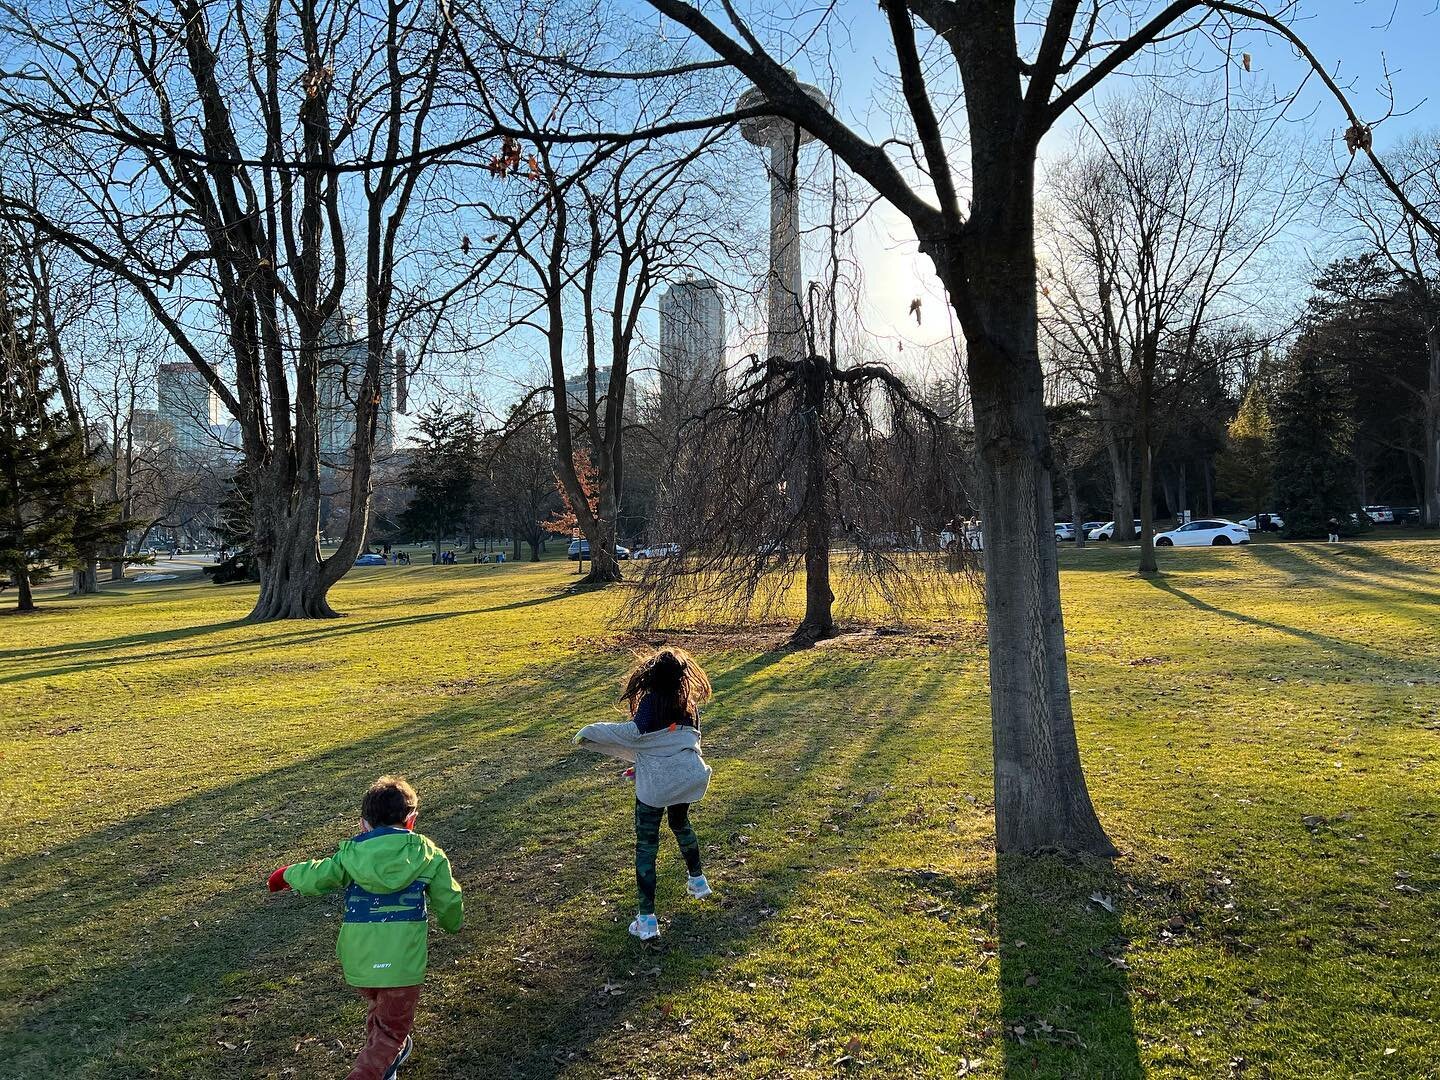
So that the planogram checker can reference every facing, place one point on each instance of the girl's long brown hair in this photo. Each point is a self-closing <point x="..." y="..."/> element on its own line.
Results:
<point x="676" y="684"/>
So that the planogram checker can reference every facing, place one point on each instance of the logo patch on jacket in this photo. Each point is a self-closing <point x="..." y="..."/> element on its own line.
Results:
<point x="407" y="905"/>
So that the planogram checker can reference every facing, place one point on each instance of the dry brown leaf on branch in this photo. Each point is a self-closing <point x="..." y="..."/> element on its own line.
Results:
<point x="1245" y="60"/>
<point x="915" y="310"/>
<point x="1357" y="137"/>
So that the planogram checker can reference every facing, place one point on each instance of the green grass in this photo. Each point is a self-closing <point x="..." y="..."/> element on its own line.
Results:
<point x="1259" y="729"/>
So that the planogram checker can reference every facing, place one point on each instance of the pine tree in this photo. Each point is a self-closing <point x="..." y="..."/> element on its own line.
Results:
<point x="1314" y="433"/>
<point x="443" y="471"/>
<point x="49" y="514"/>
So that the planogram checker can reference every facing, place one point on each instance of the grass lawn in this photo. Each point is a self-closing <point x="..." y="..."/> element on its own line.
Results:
<point x="1259" y="728"/>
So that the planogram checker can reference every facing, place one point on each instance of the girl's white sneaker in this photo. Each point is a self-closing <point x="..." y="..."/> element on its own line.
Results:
<point x="697" y="887"/>
<point x="645" y="927"/>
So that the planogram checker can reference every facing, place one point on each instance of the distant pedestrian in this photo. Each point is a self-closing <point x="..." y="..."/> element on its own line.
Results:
<point x="392" y="878"/>
<point x="663" y="694"/>
<point x="1334" y="535"/>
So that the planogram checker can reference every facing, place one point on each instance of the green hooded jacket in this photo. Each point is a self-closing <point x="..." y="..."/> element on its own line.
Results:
<point x="391" y="878"/>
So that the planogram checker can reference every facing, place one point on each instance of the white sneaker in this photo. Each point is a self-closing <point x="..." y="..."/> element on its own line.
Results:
<point x="645" y="927"/>
<point x="697" y="887"/>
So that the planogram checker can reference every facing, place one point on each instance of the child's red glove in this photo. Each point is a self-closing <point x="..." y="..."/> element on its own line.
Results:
<point x="277" y="880"/>
<point x="630" y="773"/>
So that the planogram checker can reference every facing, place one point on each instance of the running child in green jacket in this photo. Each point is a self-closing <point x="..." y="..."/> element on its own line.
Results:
<point x="391" y="876"/>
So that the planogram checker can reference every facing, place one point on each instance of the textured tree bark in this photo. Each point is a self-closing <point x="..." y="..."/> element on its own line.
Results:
<point x="293" y="583"/>
<point x="85" y="580"/>
<point x="819" y="620"/>
<point x="1041" y="799"/>
<point x="26" y="600"/>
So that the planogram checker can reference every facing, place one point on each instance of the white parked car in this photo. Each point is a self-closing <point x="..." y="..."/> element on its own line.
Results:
<point x="1380" y="515"/>
<point x="1210" y="532"/>
<point x="1257" y="522"/>
<point x="658" y="551"/>
<point x="1064" y="530"/>
<point x="1107" y="531"/>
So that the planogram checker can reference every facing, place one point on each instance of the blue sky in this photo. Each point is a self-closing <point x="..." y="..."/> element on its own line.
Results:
<point x="1358" y="41"/>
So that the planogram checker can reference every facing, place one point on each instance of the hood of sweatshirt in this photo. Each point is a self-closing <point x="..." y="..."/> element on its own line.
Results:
<point x="385" y="860"/>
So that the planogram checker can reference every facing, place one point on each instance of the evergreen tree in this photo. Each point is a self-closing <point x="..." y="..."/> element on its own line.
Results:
<point x="49" y="513"/>
<point x="442" y="470"/>
<point x="1314" y="433"/>
<point x="1245" y="470"/>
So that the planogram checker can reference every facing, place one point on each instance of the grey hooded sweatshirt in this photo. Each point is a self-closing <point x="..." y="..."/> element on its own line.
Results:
<point x="668" y="765"/>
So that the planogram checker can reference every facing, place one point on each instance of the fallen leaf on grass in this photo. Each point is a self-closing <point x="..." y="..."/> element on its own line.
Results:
<point x="1106" y="902"/>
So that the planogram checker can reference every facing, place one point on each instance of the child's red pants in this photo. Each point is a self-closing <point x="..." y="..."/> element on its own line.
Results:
<point x="391" y="1016"/>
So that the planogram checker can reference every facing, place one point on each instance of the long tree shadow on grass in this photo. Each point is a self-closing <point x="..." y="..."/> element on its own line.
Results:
<point x="1335" y="645"/>
<point x="167" y="917"/>
<point x="160" y="953"/>
<point x="311" y="634"/>
<point x="66" y="650"/>
<point x="1064" y="993"/>
<point x="1360" y="574"/>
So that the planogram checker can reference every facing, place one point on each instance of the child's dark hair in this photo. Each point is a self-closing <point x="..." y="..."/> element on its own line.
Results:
<point x="389" y="801"/>
<point x="675" y="684"/>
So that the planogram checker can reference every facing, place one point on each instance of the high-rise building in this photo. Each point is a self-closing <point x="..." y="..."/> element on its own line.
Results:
<point x="147" y="429"/>
<point x="187" y="407"/>
<point x="692" y="349"/>
<point x="342" y="370"/>
<point x="577" y="396"/>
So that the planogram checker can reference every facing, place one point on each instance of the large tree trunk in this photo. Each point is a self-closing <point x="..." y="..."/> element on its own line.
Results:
<point x="604" y="566"/>
<point x="1041" y="800"/>
<point x="294" y="583"/>
<point x="85" y="580"/>
<point x="26" y="600"/>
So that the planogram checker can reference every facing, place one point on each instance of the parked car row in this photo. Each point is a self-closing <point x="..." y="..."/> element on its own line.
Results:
<point x="580" y="549"/>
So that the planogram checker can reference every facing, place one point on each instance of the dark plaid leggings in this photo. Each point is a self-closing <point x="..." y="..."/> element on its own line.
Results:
<point x="647" y="846"/>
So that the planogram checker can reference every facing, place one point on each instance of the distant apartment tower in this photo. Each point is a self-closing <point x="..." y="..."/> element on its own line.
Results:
<point x="186" y="408"/>
<point x="342" y="370"/>
<point x="577" y="396"/>
<point x="692" y="349"/>
<point x="147" y="429"/>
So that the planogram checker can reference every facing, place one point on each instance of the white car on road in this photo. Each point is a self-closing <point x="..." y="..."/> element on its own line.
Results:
<point x="1213" y="532"/>
<point x="1107" y="531"/>
<point x="1258" y="522"/>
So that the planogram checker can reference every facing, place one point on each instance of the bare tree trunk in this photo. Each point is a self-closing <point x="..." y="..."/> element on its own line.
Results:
<point x="1145" y="455"/>
<point x="1120" y="451"/>
<point x="1432" y="430"/>
<point x="26" y="600"/>
<point x="604" y="566"/>
<point x="85" y="580"/>
<point x="1072" y="493"/>
<point x="1041" y="800"/>
<point x="819" y="620"/>
<point x="293" y="582"/>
